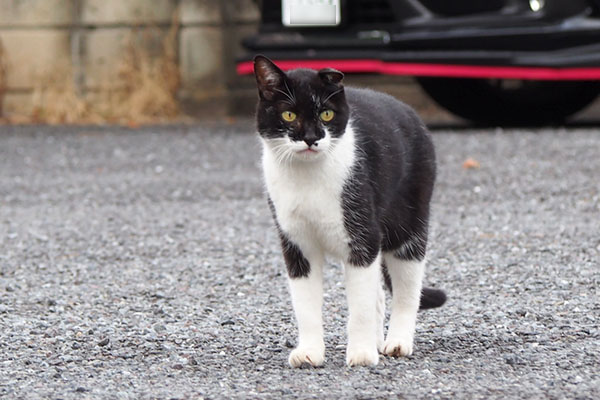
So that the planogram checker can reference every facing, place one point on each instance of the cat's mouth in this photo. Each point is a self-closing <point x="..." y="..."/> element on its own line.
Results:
<point x="308" y="151"/>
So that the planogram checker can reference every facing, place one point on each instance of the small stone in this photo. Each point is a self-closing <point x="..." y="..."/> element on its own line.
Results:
<point x="104" y="342"/>
<point x="512" y="360"/>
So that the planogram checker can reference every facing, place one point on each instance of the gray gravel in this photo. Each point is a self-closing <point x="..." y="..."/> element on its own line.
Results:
<point x="144" y="264"/>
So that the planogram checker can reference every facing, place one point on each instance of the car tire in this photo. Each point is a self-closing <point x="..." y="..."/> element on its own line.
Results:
<point x="511" y="102"/>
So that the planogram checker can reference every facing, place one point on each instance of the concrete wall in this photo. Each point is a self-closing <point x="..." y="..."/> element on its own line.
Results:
<point x="88" y="38"/>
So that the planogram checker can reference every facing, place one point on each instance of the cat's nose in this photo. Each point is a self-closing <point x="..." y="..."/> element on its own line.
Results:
<point x="311" y="140"/>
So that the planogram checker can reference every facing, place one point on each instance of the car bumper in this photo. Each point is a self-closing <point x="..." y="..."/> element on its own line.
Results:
<point x="569" y="50"/>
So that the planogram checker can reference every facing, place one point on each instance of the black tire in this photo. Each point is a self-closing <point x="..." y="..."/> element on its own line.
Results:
<point x="511" y="102"/>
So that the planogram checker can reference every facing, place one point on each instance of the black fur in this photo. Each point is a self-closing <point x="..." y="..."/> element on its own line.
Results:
<point x="432" y="298"/>
<point x="297" y="265"/>
<point x="326" y="92"/>
<point x="386" y="200"/>
<point x="360" y="220"/>
<point x="393" y="182"/>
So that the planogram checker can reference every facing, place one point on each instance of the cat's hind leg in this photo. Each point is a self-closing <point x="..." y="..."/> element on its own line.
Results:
<point x="380" y="309"/>
<point x="406" y="276"/>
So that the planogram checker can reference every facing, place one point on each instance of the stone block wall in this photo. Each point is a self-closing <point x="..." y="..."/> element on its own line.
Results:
<point x="88" y="38"/>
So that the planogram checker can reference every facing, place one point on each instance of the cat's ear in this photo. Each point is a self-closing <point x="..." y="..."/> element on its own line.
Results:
<point x="330" y="75"/>
<point x="268" y="77"/>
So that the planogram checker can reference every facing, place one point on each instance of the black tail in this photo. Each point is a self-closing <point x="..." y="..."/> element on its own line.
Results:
<point x="432" y="298"/>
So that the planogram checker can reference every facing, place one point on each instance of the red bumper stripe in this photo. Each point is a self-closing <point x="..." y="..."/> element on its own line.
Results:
<point x="440" y="70"/>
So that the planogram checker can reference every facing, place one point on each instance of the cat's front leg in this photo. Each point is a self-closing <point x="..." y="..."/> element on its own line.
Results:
<point x="307" y="299"/>
<point x="363" y="289"/>
<point x="306" y="288"/>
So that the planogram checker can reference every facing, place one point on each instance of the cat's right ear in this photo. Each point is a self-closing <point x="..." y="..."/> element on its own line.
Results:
<point x="268" y="77"/>
<point x="330" y="75"/>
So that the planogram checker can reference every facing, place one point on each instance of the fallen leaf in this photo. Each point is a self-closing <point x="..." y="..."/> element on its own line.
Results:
<point x="471" y="163"/>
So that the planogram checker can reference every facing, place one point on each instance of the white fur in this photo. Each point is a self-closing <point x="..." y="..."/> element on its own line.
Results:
<point x="307" y="299"/>
<point x="380" y="314"/>
<point x="407" y="278"/>
<point x="363" y="285"/>
<point x="306" y="190"/>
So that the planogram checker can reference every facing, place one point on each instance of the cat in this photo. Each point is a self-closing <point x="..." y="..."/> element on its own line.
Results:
<point x="349" y="174"/>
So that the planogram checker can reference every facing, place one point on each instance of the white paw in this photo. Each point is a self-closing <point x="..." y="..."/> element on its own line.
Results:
<point x="398" y="347"/>
<point x="364" y="356"/>
<point x="380" y="343"/>
<point x="307" y="355"/>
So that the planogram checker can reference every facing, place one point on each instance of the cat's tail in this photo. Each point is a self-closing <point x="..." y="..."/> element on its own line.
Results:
<point x="432" y="298"/>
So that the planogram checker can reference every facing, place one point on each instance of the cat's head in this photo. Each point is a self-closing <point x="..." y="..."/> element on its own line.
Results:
<point x="302" y="113"/>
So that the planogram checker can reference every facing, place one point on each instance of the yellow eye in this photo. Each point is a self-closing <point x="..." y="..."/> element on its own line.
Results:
<point x="288" y="116"/>
<point x="327" y="115"/>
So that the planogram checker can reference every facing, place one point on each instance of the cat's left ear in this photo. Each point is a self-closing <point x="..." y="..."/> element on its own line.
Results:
<point x="330" y="75"/>
<point x="268" y="77"/>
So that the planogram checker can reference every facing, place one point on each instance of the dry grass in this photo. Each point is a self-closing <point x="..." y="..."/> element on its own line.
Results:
<point x="3" y="69"/>
<point x="144" y="91"/>
<point x="56" y="100"/>
<point x="150" y="84"/>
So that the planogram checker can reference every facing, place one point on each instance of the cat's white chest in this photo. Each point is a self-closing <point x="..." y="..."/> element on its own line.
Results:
<point x="309" y="211"/>
<point x="308" y="199"/>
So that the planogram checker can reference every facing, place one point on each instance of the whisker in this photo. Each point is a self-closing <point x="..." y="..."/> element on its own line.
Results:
<point x="293" y="94"/>
<point x="286" y="95"/>
<point x="333" y="94"/>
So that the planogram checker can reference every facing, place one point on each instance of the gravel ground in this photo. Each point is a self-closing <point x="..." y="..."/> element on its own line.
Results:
<point x="144" y="264"/>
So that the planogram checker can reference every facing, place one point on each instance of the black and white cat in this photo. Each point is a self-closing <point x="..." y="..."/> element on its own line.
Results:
<point x="349" y="174"/>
